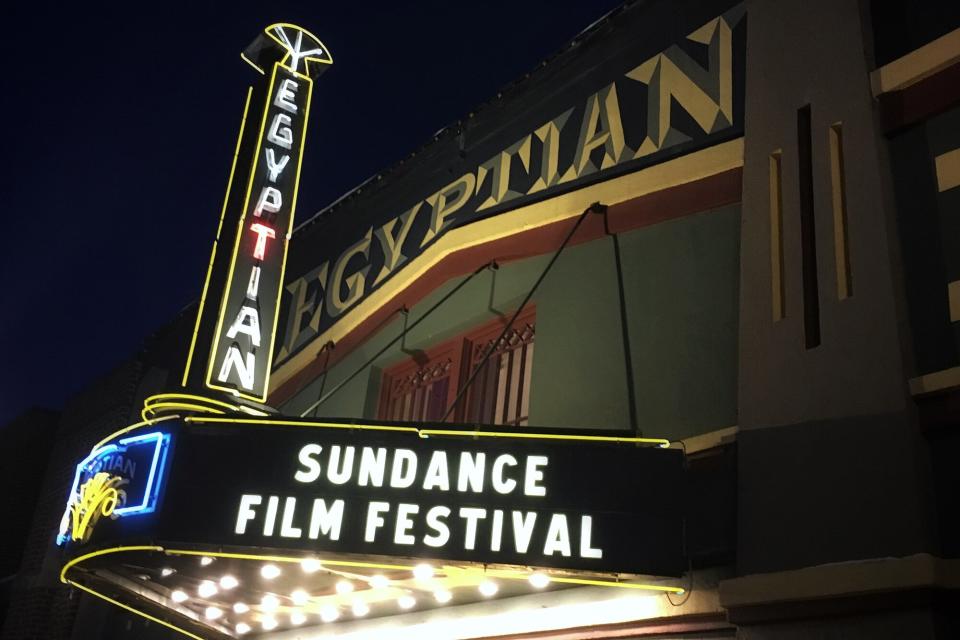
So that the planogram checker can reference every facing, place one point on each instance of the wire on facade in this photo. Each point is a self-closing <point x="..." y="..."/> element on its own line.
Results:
<point x="596" y="207"/>
<point x="327" y="348"/>
<point x="624" y="329"/>
<point x="394" y="341"/>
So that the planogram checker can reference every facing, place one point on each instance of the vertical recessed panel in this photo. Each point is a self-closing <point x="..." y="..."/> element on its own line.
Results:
<point x="808" y="231"/>
<point x="776" y="237"/>
<point x="841" y="242"/>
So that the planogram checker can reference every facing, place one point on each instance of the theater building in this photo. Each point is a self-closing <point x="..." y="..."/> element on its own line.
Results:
<point x="662" y="341"/>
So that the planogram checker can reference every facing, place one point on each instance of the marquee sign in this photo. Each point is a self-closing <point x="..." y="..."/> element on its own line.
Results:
<point x="201" y="477"/>
<point x="558" y="502"/>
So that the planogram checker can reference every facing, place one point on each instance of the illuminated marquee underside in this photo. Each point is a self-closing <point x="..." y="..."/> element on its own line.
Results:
<point x="380" y="499"/>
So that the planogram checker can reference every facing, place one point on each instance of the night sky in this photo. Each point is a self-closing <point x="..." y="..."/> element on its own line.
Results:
<point x="119" y="126"/>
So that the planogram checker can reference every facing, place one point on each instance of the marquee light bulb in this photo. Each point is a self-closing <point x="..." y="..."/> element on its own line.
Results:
<point x="442" y="596"/>
<point x="179" y="596"/>
<point x="310" y="565"/>
<point x="240" y="607"/>
<point x="488" y="588"/>
<point x="206" y="561"/>
<point x="166" y="571"/>
<point x="406" y="602"/>
<point x="300" y="597"/>
<point x="423" y="572"/>
<point x="269" y="603"/>
<point x="228" y="582"/>
<point x="379" y="582"/>
<point x="539" y="580"/>
<point x="269" y="623"/>
<point x="207" y="589"/>
<point x="360" y="608"/>
<point x="329" y="613"/>
<point x="270" y="571"/>
<point x="212" y="613"/>
<point x="297" y="618"/>
<point x="344" y="587"/>
<point x="243" y="628"/>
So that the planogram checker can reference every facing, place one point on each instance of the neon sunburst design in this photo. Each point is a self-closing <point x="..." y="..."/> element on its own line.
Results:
<point x="300" y="45"/>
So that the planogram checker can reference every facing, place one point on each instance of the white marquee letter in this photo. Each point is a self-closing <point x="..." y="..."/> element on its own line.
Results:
<point x="285" y="94"/>
<point x="523" y="529"/>
<point x="586" y="533"/>
<point x="558" y="537"/>
<point x="247" y="322"/>
<point x="435" y="520"/>
<point x="326" y="521"/>
<point x="496" y="477"/>
<point x="534" y="475"/>
<point x="245" y="514"/>
<point x="280" y="133"/>
<point x="471" y="471"/>
<point x="404" y="470"/>
<point x="436" y="475"/>
<point x="341" y="475"/>
<point x="274" y="168"/>
<point x="401" y="534"/>
<point x="374" y="521"/>
<point x="372" y="467"/>
<point x="312" y="470"/>
<point x="287" y="530"/>
<point x="270" y="200"/>
<point x="271" y="518"/>
<point x="471" y="515"/>
<point x="232" y="360"/>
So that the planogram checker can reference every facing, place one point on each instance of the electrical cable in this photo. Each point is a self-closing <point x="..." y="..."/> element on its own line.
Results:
<point x="394" y="341"/>
<point x="596" y="207"/>
<point x="624" y="330"/>
<point x="328" y="347"/>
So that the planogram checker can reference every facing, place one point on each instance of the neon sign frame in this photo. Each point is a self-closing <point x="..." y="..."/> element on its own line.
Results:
<point x="151" y="491"/>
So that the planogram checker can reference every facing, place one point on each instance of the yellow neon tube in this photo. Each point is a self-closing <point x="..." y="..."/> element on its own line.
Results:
<point x="120" y="432"/>
<point x="102" y="552"/>
<point x="133" y="610"/>
<point x="292" y="423"/>
<point x="177" y="405"/>
<point x="425" y="433"/>
<point x="540" y="436"/>
<point x="216" y="239"/>
<point x="236" y="245"/>
<point x="252" y="64"/>
<point x="188" y="396"/>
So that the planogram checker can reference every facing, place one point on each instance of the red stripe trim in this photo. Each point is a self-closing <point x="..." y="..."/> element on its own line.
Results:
<point x="924" y="99"/>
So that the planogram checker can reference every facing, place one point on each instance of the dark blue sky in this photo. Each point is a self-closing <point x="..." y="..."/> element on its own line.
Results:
<point x="119" y="123"/>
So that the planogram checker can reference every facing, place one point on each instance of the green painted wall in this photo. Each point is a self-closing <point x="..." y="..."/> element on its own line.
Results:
<point x="681" y="288"/>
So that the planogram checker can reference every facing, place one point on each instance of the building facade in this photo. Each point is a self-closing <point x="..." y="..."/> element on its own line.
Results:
<point x="734" y="226"/>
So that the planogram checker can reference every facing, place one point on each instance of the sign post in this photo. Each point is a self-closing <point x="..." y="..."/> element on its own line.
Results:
<point x="249" y="256"/>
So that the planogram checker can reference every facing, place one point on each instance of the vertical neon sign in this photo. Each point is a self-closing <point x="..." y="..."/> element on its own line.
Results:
<point x="241" y="345"/>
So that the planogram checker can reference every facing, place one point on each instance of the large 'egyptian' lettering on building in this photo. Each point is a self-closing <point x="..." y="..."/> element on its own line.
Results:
<point x="668" y="103"/>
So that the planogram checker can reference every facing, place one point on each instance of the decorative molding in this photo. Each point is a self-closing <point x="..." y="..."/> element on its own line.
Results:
<point x="840" y="580"/>
<point x="935" y="382"/>
<point x="916" y="65"/>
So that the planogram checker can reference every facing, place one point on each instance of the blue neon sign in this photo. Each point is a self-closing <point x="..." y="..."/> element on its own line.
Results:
<point x="138" y="460"/>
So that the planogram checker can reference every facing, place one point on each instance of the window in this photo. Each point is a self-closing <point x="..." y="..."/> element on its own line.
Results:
<point x="421" y="388"/>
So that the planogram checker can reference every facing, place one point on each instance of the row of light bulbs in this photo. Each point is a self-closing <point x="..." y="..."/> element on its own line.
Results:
<point x="270" y="603"/>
